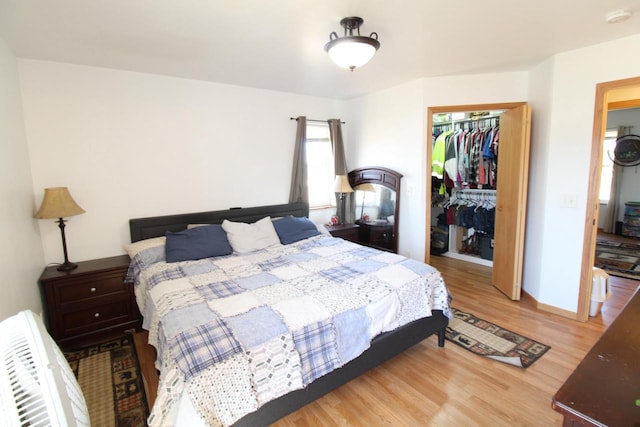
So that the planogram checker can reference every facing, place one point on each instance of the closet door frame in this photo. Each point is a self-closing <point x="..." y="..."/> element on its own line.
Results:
<point x="514" y="290"/>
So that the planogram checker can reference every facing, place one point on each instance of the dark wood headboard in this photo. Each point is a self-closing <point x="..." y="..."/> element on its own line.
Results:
<point x="156" y="226"/>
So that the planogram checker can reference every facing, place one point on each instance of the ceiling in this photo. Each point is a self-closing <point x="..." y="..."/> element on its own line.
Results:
<point x="278" y="44"/>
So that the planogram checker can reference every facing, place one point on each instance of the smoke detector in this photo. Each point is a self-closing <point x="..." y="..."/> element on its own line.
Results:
<point x="618" y="16"/>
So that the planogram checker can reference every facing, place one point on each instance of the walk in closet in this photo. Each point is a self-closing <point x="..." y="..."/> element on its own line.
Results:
<point x="478" y="160"/>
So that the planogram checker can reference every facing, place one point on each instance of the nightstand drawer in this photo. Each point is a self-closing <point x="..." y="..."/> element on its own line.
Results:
<point x="96" y="317"/>
<point x="99" y="285"/>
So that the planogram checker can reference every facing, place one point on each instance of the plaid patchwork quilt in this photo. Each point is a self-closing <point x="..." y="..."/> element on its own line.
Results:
<point x="235" y="332"/>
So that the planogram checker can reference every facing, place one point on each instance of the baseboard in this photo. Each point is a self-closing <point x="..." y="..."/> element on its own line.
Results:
<point x="550" y="309"/>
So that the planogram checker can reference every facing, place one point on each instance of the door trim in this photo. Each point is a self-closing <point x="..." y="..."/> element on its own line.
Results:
<point x="448" y="109"/>
<point x="593" y="202"/>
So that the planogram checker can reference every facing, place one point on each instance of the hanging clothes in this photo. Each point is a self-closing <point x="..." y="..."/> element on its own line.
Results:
<point x="472" y="209"/>
<point x="470" y="154"/>
<point x="438" y="159"/>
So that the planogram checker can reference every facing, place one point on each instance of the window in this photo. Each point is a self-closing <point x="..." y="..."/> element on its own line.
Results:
<point x="606" y="173"/>
<point x="320" y="166"/>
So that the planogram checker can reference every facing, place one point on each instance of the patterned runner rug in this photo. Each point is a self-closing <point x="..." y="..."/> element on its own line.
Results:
<point x="618" y="259"/>
<point x="490" y="340"/>
<point x="110" y="379"/>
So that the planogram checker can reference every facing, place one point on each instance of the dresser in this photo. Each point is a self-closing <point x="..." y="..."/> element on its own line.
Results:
<point x="604" y="390"/>
<point x="377" y="206"/>
<point x="631" y="223"/>
<point x="90" y="302"/>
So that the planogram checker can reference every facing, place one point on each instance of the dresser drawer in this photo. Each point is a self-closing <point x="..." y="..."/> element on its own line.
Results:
<point x="99" y="285"/>
<point x="631" y="231"/>
<point x="632" y="209"/>
<point x="95" y="316"/>
<point x="632" y="221"/>
<point x="381" y="236"/>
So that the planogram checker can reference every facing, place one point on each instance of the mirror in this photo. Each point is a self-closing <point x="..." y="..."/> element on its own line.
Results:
<point x="376" y="206"/>
<point x="374" y="203"/>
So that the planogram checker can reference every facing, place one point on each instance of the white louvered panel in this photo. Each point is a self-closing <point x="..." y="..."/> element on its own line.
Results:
<point x="37" y="386"/>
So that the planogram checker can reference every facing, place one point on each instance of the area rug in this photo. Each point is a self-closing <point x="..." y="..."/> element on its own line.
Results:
<point x="618" y="259"/>
<point x="110" y="379"/>
<point x="492" y="341"/>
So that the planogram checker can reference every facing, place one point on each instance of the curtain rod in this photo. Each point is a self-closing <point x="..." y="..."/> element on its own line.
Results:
<point x="312" y="120"/>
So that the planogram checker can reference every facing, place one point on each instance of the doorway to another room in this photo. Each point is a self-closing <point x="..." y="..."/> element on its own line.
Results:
<point x="610" y="96"/>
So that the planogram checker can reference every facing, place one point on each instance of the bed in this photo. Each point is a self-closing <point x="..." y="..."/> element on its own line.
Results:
<point x="303" y="270"/>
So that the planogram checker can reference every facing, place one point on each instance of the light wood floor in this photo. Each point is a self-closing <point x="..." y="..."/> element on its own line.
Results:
<point x="450" y="386"/>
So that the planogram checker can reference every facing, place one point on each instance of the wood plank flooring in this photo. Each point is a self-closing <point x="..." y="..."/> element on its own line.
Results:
<point x="427" y="385"/>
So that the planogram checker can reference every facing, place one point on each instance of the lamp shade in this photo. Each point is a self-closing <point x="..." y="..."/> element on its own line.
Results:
<point x="341" y="184"/>
<point x="366" y="187"/>
<point x="58" y="203"/>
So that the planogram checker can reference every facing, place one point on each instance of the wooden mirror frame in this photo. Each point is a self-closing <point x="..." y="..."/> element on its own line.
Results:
<point x="387" y="178"/>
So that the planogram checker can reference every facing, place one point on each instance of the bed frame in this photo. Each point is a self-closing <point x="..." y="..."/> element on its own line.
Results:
<point x="383" y="347"/>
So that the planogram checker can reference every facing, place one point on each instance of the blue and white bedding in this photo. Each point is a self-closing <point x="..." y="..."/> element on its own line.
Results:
<point x="234" y="332"/>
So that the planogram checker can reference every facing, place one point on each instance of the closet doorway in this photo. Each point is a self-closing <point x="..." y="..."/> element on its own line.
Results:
<point x="511" y="192"/>
<point x="624" y="93"/>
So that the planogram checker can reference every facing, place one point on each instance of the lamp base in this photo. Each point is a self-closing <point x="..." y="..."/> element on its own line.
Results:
<point x="67" y="266"/>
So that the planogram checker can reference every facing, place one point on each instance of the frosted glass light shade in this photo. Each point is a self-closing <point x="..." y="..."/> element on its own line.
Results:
<point x="351" y="54"/>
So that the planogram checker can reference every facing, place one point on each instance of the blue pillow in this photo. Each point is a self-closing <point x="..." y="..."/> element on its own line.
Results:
<point x="290" y="229"/>
<point x="197" y="243"/>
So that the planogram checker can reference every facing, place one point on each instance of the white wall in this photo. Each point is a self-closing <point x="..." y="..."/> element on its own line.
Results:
<point x="563" y="143"/>
<point x="629" y="176"/>
<point x="21" y="257"/>
<point x="131" y="144"/>
<point x="540" y="93"/>
<point x="390" y="130"/>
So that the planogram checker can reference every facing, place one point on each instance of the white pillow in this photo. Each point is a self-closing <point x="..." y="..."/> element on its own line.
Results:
<point x="322" y="229"/>
<point x="245" y="237"/>
<point x="133" y="248"/>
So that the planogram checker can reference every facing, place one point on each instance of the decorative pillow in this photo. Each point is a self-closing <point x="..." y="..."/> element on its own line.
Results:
<point x="290" y="229"/>
<point x="197" y="243"/>
<point x="250" y="237"/>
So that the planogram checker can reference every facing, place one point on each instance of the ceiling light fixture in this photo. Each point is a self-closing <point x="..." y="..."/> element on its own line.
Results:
<point x="351" y="51"/>
<point x="618" y="16"/>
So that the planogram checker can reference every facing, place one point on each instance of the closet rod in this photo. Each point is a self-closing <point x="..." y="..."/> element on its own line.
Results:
<point x="465" y="121"/>
<point x="312" y="120"/>
<point x="472" y="191"/>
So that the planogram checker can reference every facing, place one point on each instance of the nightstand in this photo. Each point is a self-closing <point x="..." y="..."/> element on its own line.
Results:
<point x="89" y="303"/>
<point x="344" y="231"/>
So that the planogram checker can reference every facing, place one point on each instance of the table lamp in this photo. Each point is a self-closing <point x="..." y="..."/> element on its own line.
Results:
<point x="341" y="185"/>
<point x="58" y="203"/>
<point x="365" y="188"/>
